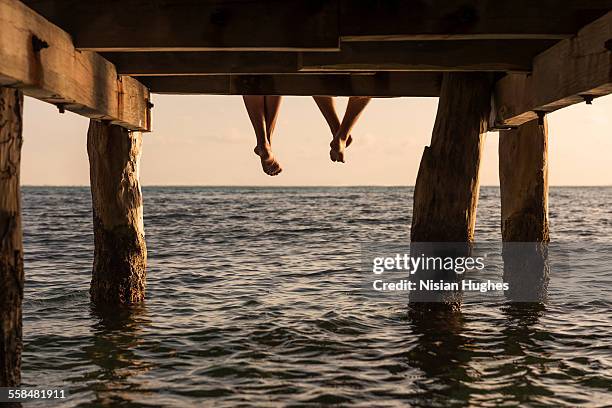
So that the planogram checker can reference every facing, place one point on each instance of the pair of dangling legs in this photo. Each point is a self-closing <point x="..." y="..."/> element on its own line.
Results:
<point x="263" y="112"/>
<point x="341" y="130"/>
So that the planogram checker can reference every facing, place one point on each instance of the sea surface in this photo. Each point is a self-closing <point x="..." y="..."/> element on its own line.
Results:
<point x="251" y="302"/>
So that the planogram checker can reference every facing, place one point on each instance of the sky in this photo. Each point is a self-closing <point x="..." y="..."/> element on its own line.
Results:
<point x="208" y="140"/>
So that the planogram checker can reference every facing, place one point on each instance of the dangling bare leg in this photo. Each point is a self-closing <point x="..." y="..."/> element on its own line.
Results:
<point x="256" y="108"/>
<point x="272" y="103"/>
<point x="354" y="109"/>
<point x="327" y="107"/>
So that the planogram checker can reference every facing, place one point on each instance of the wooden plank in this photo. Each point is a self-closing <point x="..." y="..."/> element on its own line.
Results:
<point x="470" y="55"/>
<point x="181" y="25"/>
<point x="381" y="84"/>
<point x="462" y="55"/>
<point x="196" y="63"/>
<point x="562" y="75"/>
<point x="82" y="82"/>
<point x="376" y="20"/>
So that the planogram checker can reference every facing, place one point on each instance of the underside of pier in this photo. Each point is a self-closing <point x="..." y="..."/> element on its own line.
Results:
<point x="495" y="65"/>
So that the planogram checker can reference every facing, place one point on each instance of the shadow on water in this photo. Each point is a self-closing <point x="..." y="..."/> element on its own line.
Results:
<point x="116" y="336"/>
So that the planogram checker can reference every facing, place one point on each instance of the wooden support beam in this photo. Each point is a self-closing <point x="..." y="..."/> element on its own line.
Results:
<point x="523" y="180"/>
<point x="40" y="59"/>
<point x="468" y="55"/>
<point x="477" y="55"/>
<point x="242" y="25"/>
<point x="446" y="190"/>
<point x="572" y="71"/>
<point x="11" y="247"/>
<point x="382" y="84"/>
<point x="375" y="20"/>
<point x="447" y="185"/>
<point x="523" y="177"/>
<point x="120" y="258"/>
<point x="277" y="25"/>
<point x="203" y="63"/>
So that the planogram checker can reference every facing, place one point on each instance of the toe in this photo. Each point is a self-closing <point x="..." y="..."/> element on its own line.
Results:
<point x="334" y="155"/>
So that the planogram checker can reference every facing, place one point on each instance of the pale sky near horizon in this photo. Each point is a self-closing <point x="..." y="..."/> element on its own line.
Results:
<point x="208" y="140"/>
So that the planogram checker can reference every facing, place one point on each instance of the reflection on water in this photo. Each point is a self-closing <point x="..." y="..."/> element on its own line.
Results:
<point x="526" y="270"/>
<point x="115" y="336"/>
<point x="253" y="304"/>
<point x="442" y="354"/>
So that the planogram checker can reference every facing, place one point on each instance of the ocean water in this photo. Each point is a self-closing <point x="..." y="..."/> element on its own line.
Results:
<point x="250" y="303"/>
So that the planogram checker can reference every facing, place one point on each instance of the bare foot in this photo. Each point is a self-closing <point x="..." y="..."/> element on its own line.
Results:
<point x="268" y="162"/>
<point x="337" y="148"/>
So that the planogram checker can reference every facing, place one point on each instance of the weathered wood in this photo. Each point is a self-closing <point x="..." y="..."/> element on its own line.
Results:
<point x="523" y="180"/>
<point x="308" y="24"/>
<point x="40" y="59"/>
<point x="196" y="63"/>
<point x="375" y="20"/>
<point x="503" y="55"/>
<point x="462" y="55"/>
<point x="381" y="84"/>
<point x="120" y="258"/>
<point x="562" y="75"/>
<point x="523" y="177"/>
<point x="11" y="248"/>
<point x="447" y="186"/>
<point x="238" y="25"/>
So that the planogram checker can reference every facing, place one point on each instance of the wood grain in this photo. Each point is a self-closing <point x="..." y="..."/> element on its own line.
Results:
<point x="562" y="75"/>
<point x="11" y="246"/>
<point x="82" y="82"/>
<point x="120" y="258"/>
<point x="426" y="84"/>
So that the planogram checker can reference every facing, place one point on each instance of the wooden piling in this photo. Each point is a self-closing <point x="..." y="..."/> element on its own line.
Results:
<point x="11" y="247"/>
<point x="447" y="186"/>
<point x="120" y="258"/>
<point x="523" y="179"/>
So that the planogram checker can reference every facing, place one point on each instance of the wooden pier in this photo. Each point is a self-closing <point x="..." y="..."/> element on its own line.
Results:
<point x="496" y="65"/>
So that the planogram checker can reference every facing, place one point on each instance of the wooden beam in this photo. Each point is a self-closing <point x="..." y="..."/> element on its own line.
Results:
<point x="239" y="25"/>
<point x="375" y="20"/>
<point x="198" y="63"/>
<point x="40" y="59"/>
<point x="382" y="84"/>
<point x="563" y="75"/>
<point x="463" y="55"/>
<point x="470" y="55"/>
